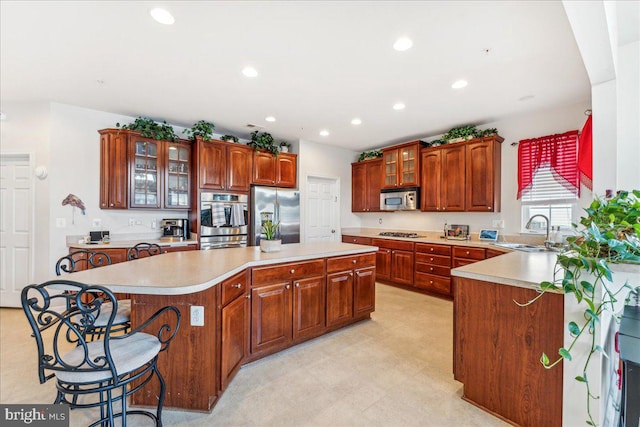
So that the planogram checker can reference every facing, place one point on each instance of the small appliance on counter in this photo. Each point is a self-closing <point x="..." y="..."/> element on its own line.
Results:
<point x="174" y="230"/>
<point x="457" y="232"/>
<point x="98" y="237"/>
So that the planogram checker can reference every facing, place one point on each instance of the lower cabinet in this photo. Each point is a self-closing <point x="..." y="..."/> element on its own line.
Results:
<point x="351" y="289"/>
<point x="308" y="307"/>
<point x="394" y="261"/>
<point x="234" y="323"/>
<point x="271" y="317"/>
<point x="339" y="297"/>
<point x="433" y="268"/>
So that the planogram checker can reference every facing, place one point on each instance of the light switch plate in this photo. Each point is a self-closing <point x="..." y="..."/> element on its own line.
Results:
<point x="498" y="223"/>
<point x="197" y="315"/>
<point x="97" y="222"/>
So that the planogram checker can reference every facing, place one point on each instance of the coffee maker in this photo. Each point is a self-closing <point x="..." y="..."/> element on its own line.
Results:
<point x="174" y="230"/>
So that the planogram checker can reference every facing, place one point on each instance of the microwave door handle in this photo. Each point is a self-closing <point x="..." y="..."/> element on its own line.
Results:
<point x="406" y="200"/>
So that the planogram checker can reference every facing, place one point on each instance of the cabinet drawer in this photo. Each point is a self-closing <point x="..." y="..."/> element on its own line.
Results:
<point x="234" y="287"/>
<point x="433" y="259"/>
<point x="433" y="269"/>
<point x="357" y="240"/>
<point x="459" y="262"/>
<point x="284" y="272"/>
<point x="467" y="252"/>
<point x="349" y="262"/>
<point x="494" y="252"/>
<point x="392" y="244"/>
<point x="429" y="248"/>
<point x="428" y="282"/>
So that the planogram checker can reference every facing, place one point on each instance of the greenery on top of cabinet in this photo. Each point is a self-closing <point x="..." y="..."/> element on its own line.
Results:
<point x="150" y="129"/>
<point x="263" y="141"/>
<point x="201" y="128"/>
<point x="373" y="154"/>
<point x="228" y="137"/>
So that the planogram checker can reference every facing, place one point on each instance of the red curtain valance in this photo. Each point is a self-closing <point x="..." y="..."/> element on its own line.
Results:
<point x="560" y="152"/>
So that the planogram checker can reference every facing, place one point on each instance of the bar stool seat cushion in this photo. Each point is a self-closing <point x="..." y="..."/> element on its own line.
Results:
<point x="128" y="354"/>
<point x="123" y="315"/>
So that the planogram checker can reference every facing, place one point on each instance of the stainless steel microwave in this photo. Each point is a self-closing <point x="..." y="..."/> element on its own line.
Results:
<point x="406" y="199"/>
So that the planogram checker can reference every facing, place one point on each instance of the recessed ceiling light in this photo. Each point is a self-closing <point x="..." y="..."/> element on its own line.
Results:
<point x="162" y="16"/>
<point x="402" y="44"/>
<point x="356" y="121"/>
<point x="270" y="119"/>
<point x="459" y="84"/>
<point x="324" y="133"/>
<point x="249" y="72"/>
<point x="398" y="106"/>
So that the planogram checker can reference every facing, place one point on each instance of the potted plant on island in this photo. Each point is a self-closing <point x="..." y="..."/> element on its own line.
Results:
<point x="610" y="235"/>
<point x="270" y="243"/>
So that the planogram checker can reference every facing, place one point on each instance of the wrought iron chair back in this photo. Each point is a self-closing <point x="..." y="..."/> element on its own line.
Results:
<point x="81" y="258"/>
<point x="143" y="250"/>
<point x="93" y="369"/>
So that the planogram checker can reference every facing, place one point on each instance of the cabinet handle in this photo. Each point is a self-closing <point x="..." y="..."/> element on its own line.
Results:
<point x="248" y="296"/>
<point x="489" y="207"/>
<point x="287" y="287"/>
<point x="292" y="271"/>
<point x="350" y="274"/>
<point x="239" y="285"/>
<point x="431" y="282"/>
<point x="431" y="249"/>
<point x="430" y="259"/>
<point x="431" y="269"/>
<point x="467" y="252"/>
<point x="354" y="261"/>
<point x="297" y="285"/>
<point x="111" y="204"/>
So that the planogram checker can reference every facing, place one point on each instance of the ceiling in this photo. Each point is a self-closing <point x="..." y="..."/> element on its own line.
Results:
<point x="320" y="64"/>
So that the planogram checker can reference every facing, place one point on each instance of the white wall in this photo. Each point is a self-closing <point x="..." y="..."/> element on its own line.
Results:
<point x="328" y="162"/>
<point x="512" y="129"/>
<point x="628" y="110"/>
<point x="26" y="130"/>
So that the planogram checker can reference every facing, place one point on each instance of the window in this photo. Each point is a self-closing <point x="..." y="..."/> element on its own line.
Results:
<point x="547" y="179"/>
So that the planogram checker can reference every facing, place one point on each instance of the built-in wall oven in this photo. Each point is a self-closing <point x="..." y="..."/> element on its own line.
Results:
<point x="223" y="220"/>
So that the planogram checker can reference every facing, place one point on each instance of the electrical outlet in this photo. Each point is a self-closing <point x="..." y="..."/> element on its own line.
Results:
<point x="154" y="223"/>
<point x="132" y="222"/>
<point x="97" y="222"/>
<point x="197" y="315"/>
<point x="61" y="223"/>
<point x="138" y="222"/>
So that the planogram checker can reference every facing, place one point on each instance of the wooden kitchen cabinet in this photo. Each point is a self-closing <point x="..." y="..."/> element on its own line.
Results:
<point x="366" y="180"/>
<point x="356" y="239"/>
<point x="433" y="268"/>
<point x="483" y="165"/>
<point x="279" y="171"/>
<point x="234" y="322"/>
<point x="275" y="314"/>
<point x="350" y="287"/>
<point x="401" y="165"/>
<point x="113" y="169"/>
<point x="224" y="166"/>
<point x="394" y="261"/>
<point x="463" y="255"/>
<point x="462" y="177"/>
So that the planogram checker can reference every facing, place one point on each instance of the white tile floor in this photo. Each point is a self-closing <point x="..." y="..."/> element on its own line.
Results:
<point x="392" y="370"/>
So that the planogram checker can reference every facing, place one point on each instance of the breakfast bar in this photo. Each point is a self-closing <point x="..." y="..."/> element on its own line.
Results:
<point x="238" y="305"/>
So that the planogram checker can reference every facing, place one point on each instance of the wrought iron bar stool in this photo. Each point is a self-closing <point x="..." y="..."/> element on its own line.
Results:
<point x="83" y="259"/>
<point x="143" y="250"/>
<point x="102" y="373"/>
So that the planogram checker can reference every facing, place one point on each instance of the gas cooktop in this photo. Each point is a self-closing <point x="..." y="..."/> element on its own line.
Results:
<point x="399" y="234"/>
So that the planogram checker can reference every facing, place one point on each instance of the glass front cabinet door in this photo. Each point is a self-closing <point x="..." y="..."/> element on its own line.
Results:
<point x="145" y="186"/>
<point x="177" y="189"/>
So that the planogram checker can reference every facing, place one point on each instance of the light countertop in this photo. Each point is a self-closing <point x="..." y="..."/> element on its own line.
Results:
<point x="193" y="271"/>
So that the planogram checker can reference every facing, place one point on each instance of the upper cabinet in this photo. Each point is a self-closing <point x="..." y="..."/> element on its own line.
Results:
<point x="278" y="171"/>
<point x="462" y="177"/>
<point x="365" y="185"/>
<point x="224" y="166"/>
<point x="138" y="172"/>
<point x="401" y="165"/>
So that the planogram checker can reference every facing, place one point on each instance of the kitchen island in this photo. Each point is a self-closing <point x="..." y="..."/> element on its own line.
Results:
<point x="498" y="344"/>
<point x="239" y="305"/>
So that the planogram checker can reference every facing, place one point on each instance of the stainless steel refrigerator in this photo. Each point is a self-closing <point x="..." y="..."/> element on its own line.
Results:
<point x="276" y="204"/>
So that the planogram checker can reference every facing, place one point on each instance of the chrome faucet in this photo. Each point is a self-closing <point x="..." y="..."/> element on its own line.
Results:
<point x="546" y="240"/>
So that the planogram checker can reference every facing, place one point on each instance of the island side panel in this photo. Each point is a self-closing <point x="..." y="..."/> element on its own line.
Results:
<point x="497" y="347"/>
<point x="190" y="366"/>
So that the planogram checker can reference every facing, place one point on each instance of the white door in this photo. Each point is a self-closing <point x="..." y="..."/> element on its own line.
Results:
<point x="16" y="204"/>
<point x="323" y="210"/>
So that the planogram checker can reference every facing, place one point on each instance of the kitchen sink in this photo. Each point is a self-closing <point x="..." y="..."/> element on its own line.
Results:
<point x="524" y="247"/>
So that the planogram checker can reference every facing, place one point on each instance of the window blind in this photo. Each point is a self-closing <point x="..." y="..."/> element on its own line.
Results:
<point x="546" y="189"/>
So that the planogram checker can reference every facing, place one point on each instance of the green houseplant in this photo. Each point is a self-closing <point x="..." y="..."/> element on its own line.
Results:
<point x="608" y="234"/>
<point x="228" y="137"/>
<point x="270" y="231"/>
<point x="263" y="141"/>
<point x="150" y="129"/>
<point x="373" y="154"/>
<point x="201" y="128"/>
